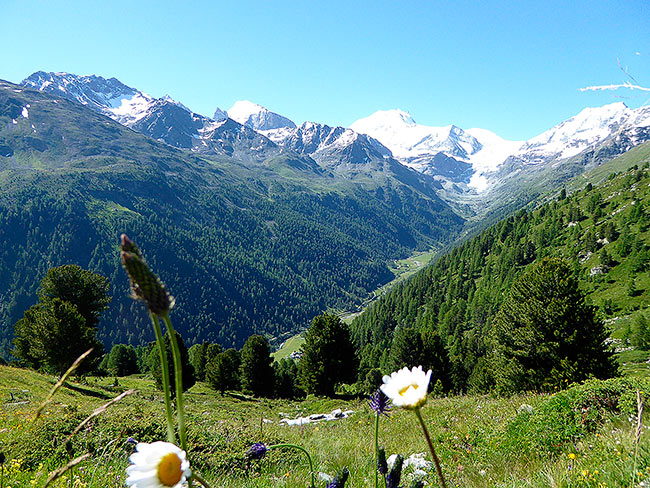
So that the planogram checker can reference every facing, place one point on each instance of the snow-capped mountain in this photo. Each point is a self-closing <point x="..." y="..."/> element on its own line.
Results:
<point x="257" y="117"/>
<point x="408" y="140"/>
<point x="580" y="132"/>
<point x="108" y="96"/>
<point x="421" y="147"/>
<point x="332" y="146"/>
<point x="471" y="168"/>
<point x="164" y="119"/>
<point x="491" y="158"/>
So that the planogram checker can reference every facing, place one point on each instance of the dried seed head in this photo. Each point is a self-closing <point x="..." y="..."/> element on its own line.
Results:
<point x="145" y="285"/>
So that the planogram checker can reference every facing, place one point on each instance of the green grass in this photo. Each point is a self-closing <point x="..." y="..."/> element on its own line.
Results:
<point x="482" y="441"/>
<point x="292" y="344"/>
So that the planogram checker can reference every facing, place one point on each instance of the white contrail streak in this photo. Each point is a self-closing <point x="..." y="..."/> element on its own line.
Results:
<point x="627" y="85"/>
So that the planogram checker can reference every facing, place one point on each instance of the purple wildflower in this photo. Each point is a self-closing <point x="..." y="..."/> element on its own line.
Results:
<point x="340" y="479"/>
<point x="257" y="451"/>
<point x="395" y="476"/>
<point x="379" y="403"/>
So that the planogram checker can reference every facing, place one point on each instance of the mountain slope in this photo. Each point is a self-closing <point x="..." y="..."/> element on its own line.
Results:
<point x="603" y="231"/>
<point x="163" y="119"/>
<point x="243" y="247"/>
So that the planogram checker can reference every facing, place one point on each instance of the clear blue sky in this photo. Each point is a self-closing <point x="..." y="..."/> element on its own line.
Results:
<point x="512" y="67"/>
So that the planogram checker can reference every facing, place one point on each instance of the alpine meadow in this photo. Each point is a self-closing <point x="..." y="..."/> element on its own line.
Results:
<point x="325" y="293"/>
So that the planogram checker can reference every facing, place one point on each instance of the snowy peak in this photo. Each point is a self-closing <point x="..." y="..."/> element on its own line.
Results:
<point x="398" y="131"/>
<point x="219" y="115"/>
<point x="384" y="119"/>
<point x="332" y="147"/>
<point x="582" y="131"/>
<point x="109" y="96"/>
<point x="257" y="117"/>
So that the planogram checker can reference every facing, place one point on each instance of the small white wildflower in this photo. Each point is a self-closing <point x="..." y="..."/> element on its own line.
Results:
<point x="158" y="465"/>
<point x="407" y="388"/>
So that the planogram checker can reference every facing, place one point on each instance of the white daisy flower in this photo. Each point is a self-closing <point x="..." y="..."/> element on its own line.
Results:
<point x="158" y="465"/>
<point x="407" y="388"/>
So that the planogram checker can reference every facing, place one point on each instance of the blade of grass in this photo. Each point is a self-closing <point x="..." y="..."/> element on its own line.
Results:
<point x="99" y="411"/>
<point x="57" y="474"/>
<point x="62" y="380"/>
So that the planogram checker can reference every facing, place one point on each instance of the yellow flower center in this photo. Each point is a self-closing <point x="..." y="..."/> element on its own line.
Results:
<point x="169" y="469"/>
<point x="405" y="389"/>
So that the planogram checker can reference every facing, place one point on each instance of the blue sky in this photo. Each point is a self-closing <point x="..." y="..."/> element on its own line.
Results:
<point x="512" y="67"/>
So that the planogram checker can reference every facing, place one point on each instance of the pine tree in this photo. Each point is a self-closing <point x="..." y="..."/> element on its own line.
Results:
<point x="222" y="370"/>
<point x="255" y="370"/>
<point x="328" y="356"/>
<point x="406" y="350"/>
<point x="199" y="354"/>
<point x="545" y="332"/>
<point x="122" y="360"/>
<point x="286" y="379"/>
<point x="63" y="325"/>
<point x="187" y="372"/>
<point x="641" y="332"/>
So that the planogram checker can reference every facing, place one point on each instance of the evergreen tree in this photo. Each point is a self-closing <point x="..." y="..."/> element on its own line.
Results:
<point x="199" y="354"/>
<point x="255" y="370"/>
<point x="63" y="325"/>
<point x="222" y="370"/>
<point x="406" y="350"/>
<point x="122" y="360"/>
<point x="187" y="372"/>
<point x="286" y="379"/>
<point x="86" y="290"/>
<point x="605" y="258"/>
<point x="545" y="332"/>
<point x="640" y="333"/>
<point x="328" y="356"/>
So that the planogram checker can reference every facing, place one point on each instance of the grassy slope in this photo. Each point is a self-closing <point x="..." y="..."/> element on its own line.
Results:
<point x="471" y="435"/>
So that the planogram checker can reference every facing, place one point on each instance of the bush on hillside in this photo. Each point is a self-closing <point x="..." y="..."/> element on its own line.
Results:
<point x="568" y="415"/>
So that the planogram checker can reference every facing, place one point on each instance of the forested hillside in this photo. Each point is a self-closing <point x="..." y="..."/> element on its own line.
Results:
<point x="446" y="312"/>
<point x="244" y="248"/>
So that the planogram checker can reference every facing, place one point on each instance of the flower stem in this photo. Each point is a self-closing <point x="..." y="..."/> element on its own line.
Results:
<point x="171" y="437"/>
<point x="197" y="477"/>
<point x="377" y="451"/>
<point x="311" y="465"/>
<point x="433" y="451"/>
<point x="178" y="379"/>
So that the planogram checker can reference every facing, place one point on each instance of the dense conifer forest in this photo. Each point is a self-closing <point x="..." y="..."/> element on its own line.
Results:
<point x="256" y="247"/>
<point x="447" y="313"/>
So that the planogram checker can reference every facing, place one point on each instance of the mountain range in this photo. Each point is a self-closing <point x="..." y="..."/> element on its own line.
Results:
<point x="474" y="170"/>
<point x="256" y="223"/>
<point x="249" y="236"/>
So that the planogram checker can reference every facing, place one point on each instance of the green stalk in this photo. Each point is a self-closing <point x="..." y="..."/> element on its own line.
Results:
<point x="433" y="451"/>
<point x="178" y="378"/>
<point x="311" y="465"/>
<point x="171" y="437"/>
<point x="377" y="451"/>
<point x="197" y="477"/>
